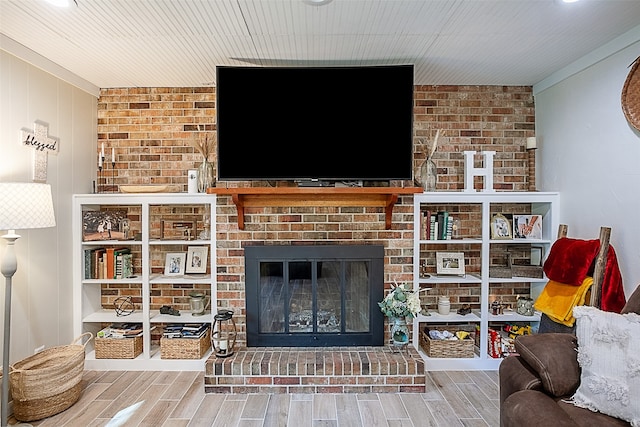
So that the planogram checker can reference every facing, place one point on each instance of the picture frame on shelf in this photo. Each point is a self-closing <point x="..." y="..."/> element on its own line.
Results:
<point x="105" y="225"/>
<point x="527" y="227"/>
<point x="183" y="229"/>
<point x="450" y="263"/>
<point x="175" y="263"/>
<point x="197" y="259"/>
<point x="501" y="228"/>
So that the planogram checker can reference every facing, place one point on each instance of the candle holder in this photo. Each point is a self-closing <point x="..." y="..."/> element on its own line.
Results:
<point x="531" y="152"/>
<point x="223" y="335"/>
<point x="531" y="172"/>
<point x="100" y="163"/>
<point x="113" y="175"/>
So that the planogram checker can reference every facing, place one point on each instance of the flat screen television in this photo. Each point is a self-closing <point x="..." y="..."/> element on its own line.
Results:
<point x="315" y="123"/>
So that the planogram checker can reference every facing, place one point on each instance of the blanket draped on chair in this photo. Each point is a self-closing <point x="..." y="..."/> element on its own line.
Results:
<point x="570" y="261"/>
<point x="558" y="299"/>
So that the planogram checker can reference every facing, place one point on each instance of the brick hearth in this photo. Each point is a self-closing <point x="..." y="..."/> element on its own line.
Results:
<point x="316" y="370"/>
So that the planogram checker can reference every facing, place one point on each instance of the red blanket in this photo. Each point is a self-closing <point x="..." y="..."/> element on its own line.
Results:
<point x="571" y="260"/>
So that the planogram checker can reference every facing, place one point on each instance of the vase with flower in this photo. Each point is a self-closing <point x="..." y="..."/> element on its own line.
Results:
<point x="399" y="306"/>
<point x="428" y="170"/>
<point x="205" y="144"/>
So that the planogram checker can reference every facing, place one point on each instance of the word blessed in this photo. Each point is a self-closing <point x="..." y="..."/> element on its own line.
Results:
<point x="50" y="144"/>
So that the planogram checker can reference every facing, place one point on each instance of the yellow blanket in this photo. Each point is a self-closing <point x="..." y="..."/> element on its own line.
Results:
<point x="557" y="300"/>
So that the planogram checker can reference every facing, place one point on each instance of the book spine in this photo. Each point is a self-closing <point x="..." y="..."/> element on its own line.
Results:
<point x="433" y="225"/>
<point x="445" y="225"/>
<point x="127" y="266"/>
<point x="440" y="222"/>
<point x="88" y="272"/>
<point x="110" y="264"/>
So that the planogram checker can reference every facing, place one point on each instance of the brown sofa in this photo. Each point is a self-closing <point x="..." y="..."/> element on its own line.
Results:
<point x="534" y="383"/>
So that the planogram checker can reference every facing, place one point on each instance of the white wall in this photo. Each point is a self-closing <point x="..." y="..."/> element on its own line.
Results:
<point x="42" y="296"/>
<point x="591" y="155"/>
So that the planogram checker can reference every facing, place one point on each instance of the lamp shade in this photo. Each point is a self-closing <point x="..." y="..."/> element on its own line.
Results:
<point x="25" y="205"/>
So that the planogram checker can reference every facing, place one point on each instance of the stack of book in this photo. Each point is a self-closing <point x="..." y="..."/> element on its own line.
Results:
<point x="121" y="330"/>
<point x="185" y="330"/>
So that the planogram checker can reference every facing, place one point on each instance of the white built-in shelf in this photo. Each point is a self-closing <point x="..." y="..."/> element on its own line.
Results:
<point x="89" y="315"/>
<point x="482" y="205"/>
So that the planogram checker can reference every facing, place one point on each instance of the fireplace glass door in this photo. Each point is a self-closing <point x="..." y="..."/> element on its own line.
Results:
<point x="313" y="302"/>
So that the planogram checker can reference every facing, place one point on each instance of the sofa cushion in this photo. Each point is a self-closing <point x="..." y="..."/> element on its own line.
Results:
<point x="553" y="356"/>
<point x="586" y="418"/>
<point x="609" y="355"/>
<point x="530" y="408"/>
<point x="633" y="303"/>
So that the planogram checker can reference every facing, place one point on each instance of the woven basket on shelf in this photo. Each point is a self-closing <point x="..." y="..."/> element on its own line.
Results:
<point x="48" y="382"/>
<point x="631" y="96"/>
<point x="185" y="348"/>
<point x="446" y="348"/>
<point x="118" y="348"/>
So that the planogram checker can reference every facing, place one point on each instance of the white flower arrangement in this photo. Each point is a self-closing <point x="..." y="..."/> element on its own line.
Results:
<point x="401" y="302"/>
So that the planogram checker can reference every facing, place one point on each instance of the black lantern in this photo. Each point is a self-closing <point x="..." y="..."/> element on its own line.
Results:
<point x="223" y="336"/>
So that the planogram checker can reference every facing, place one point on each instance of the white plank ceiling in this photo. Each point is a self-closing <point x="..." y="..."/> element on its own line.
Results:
<point x="142" y="43"/>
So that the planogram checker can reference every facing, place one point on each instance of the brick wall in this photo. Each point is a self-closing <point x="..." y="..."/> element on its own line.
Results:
<point x="151" y="129"/>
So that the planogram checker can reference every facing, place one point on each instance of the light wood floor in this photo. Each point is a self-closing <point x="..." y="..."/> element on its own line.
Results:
<point x="174" y="399"/>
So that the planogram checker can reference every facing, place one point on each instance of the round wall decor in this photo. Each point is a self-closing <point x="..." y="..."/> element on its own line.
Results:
<point x="631" y="95"/>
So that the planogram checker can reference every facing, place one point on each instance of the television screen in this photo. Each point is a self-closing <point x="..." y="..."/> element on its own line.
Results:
<point x="315" y="123"/>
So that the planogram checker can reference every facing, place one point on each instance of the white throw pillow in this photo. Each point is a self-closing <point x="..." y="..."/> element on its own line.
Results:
<point x="609" y="355"/>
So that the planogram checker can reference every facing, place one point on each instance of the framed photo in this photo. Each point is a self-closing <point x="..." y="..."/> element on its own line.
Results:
<point x="184" y="229"/>
<point x="500" y="227"/>
<point x="175" y="263"/>
<point x="450" y="263"/>
<point x="527" y="227"/>
<point x="197" y="259"/>
<point x="105" y="225"/>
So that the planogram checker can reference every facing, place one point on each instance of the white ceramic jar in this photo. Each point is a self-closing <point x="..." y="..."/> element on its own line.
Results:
<point x="444" y="305"/>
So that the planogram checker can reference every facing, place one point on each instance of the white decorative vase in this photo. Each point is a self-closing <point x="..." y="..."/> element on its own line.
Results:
<point x="444" y="305"/>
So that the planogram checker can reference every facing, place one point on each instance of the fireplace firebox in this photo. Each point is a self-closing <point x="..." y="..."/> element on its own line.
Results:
<point x="314" y="296"/>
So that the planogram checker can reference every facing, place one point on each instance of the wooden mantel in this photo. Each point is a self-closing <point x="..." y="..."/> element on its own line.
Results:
<point x="385" y="197"/>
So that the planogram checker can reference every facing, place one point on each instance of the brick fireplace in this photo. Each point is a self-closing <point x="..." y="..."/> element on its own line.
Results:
<point x="150" y="129"/>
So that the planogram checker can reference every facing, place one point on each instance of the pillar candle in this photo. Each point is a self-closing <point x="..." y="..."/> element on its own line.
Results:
<point x="113" y="154"/>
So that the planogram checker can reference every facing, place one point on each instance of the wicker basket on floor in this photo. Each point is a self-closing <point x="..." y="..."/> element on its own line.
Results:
<point x="446" y="348"/>
<point x="48" y="382"/>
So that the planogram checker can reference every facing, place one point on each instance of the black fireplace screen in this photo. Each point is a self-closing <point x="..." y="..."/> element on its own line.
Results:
<point x="314" y="295"/>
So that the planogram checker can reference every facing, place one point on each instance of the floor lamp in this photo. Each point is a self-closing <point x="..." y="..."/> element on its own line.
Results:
<point x="22" y="206"/>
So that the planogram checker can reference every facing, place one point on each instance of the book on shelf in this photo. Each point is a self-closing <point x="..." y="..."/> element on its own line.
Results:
<point x="110" y="260"/>
<point x="108" y="263"/>
<point x="433" y="230"/>
<point x="426" y="225"/>
<point x="96" y="262"/>
<point x="123" y="264"/>
<point x="437" y="225"/>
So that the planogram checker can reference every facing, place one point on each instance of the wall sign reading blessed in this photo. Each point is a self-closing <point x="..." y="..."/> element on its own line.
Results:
<point x="39" y="139"/>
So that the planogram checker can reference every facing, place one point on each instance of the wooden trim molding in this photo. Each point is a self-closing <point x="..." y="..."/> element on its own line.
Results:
<point x="385" y="197"/>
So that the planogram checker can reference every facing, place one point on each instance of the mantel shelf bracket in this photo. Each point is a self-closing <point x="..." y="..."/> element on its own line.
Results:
<point x="385" y="197"/>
